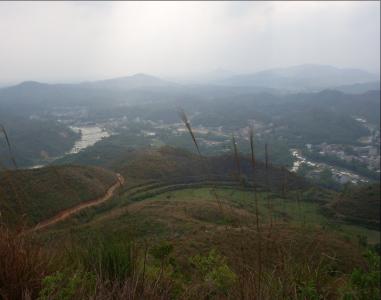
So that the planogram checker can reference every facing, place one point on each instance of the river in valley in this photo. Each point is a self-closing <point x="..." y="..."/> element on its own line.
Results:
<point x="89" y="136"/>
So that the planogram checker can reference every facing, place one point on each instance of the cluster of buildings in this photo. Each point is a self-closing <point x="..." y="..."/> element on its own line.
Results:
<point x="338" y="174"/>
<point x="365" y="151"/>
<point x="368" y="155"/>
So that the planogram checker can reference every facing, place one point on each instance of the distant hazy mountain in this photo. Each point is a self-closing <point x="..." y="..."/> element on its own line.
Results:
<point x="202" y="78"/>
<point x="32" y="96"/>
<point x="303" y="77"/>
<point x="129" y="82"/>
<point x="359" y="88"/>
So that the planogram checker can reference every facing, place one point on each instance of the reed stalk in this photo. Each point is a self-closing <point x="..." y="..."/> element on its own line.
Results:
<point x="259" y="244"/>
<point x="2" y="129"/>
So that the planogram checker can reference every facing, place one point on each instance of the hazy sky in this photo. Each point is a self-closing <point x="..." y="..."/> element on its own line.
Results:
<point x="68" y="41"/>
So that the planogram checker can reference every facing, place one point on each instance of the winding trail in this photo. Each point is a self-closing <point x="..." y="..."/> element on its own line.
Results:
<point x="64" y="214"/>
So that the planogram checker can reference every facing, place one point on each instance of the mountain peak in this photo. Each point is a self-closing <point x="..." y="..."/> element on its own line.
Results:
<point x="30" y="83"/>
<point x="142" y="75"/>
<point x="138" y="80"/>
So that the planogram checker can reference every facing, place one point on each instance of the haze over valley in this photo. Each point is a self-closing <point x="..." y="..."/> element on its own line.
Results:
<point x="190" y="150"/>
<point x="334" y="127"/>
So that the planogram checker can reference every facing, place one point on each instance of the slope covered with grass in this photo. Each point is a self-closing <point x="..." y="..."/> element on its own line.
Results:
<point x="168" y="164"/>
<point x="41" y="193"/>
<point x="189" y="227"/>
<point x="359" y="205"/>
<point x="204" y="243"/>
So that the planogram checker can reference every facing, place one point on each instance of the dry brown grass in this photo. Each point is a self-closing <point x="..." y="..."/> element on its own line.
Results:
<point x="23" y="264"/>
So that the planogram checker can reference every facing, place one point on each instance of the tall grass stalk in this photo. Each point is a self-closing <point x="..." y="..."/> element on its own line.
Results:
<point x="254" y="280"/>
<point x="187" y="124"/>
<point x="236" y="159"/>
<point x="185" y="120"/>
<point x="2" y="129"/>
<point x="269" y="204"/>
<point x="18" y="191"/>
<point x="259" y="244"/>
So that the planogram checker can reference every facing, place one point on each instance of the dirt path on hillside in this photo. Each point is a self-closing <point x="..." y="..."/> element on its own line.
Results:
<point x="64" y="214"/>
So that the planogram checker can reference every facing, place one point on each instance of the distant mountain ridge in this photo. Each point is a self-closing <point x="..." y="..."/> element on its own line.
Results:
<point x="119" y="83"/>
<point x="139" y="80"/>
<point x="299" y="78"/>
<point x="359" y="88"/>
<point x="33" y="95"/>
<point x="302" y="77"/>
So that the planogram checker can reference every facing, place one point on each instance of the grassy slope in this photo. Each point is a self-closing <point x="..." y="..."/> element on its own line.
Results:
<point x="194" y="222"/>
<point x="176" y="165"/>
<point x="359" y="205"/>
<point x="41" y="193"/>
<point x="172" y="214"/>
<point x="153" y="173"/>
<point x="299" y="245"/>
<point x="297" y="236"/>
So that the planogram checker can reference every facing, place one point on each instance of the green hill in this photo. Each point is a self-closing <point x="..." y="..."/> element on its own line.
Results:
<point x="294" y="242"/>
<point x="359" y="205"/>
<point x="168" y="164"/>
<point x="41" y="193"/>
<point x="34" y="141"/>
<point x="190" y="227"/>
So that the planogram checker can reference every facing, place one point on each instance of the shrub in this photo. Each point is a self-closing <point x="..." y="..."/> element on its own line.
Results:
<point x="161" y="251"/>
<point x="214" y="271"/>
<point x="365" y="284"/>
<point x="308" y="290"/>
<point x="64" y="286"/>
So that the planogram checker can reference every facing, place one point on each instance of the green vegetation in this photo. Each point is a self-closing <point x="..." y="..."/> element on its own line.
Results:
<point x="199" y="242"/>
<point x="364" y="284"/>
<point x="34" y="141"/>
<point x="184" y="226"/>
<point x="177" y="245"/>
<point x="41" y="193"/>
<point x="358" y="205"/>
<point x="168" y="164"/>
<point x="318" y="125"/>
<point x="178" y="210"/>
<point x="214" y="271"/>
